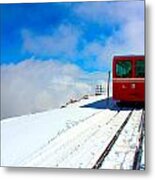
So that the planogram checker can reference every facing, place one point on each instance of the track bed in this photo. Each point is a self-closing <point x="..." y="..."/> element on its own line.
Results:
<point x="108" y="139"/>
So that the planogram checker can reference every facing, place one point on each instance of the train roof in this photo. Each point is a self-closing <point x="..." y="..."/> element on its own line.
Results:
<point x="127" y="56"/>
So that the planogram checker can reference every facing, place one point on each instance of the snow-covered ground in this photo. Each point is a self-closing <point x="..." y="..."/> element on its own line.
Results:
<point x="142" y="165"/>
<point x="70" y="137"/>
<point x="22" y="136"/>
<point x="123" y="152"/>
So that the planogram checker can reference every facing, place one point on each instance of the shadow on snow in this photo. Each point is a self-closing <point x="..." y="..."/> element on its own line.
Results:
<point x="112" y="105"/>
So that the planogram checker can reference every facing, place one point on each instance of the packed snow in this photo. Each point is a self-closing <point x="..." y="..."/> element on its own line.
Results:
<point x="123" y="152"/>
<point x="22" y="136"/>
<point x="70" y="137"/>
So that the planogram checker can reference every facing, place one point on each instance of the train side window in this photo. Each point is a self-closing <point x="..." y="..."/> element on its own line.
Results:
<point x="123" y="69"/>
<point x="140" y="68"/>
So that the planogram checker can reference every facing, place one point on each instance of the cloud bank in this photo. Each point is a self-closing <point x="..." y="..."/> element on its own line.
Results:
<point x="35" y="85"/>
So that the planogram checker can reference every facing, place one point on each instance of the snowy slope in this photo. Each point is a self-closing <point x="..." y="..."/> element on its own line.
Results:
<point x="23" y="136"/>
<point x="72" y="137"/>
<point x="80" y="146"/>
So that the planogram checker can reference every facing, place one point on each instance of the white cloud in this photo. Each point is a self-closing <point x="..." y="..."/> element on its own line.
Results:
<point x="127" y="39"/>
<point x="111" y="12"/>
<point x="63" y="41"/>
<point x="35" y="85"/>
<point x="68" y="40"/>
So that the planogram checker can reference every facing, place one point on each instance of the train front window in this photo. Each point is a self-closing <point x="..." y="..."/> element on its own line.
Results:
<point x="123" y="69"/>
<point x="140" y="68"/>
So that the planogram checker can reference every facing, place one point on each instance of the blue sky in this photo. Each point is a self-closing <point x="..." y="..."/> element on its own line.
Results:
<point x="86" y="34"/>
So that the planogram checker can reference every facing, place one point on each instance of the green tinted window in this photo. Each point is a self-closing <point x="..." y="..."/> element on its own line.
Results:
<point x="140" y="68"/>
<point x="123" y="69"/>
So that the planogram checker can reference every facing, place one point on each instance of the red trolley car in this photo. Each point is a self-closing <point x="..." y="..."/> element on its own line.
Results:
<point x="129" y="78"/>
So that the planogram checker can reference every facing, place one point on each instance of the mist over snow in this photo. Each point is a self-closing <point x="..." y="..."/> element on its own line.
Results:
<point x="34" y="85"/>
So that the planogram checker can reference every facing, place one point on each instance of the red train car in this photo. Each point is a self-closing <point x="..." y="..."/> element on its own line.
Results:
<point x="129" y="78"/>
